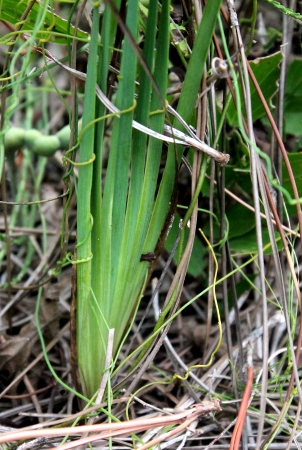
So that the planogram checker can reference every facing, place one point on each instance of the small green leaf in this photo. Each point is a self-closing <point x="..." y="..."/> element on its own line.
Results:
<point x="198" y="261"/>
<point x="296" y="164"/>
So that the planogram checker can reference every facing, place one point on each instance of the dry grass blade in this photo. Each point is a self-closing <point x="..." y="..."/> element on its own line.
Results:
<point x="113" y="429"/>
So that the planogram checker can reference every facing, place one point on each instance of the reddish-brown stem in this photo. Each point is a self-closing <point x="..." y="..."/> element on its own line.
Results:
<point x="236" y="436"/>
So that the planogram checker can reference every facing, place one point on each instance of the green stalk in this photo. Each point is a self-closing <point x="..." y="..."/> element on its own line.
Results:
<point x="198" y="59"/>
<point x="87" y="333"/>
<point x="140" y="140"/>
<point x="108" y="212"/>
<point x="145" y="181"/>
<point x="186" y="107"/>
<point x="127" y="219"/>
<point x="101" y="231"/>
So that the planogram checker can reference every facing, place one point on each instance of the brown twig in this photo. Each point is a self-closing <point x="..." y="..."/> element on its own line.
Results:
<point x="237" y="433"/>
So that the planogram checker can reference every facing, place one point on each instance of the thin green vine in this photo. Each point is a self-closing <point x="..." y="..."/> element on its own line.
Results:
<point x="284" y="9"/>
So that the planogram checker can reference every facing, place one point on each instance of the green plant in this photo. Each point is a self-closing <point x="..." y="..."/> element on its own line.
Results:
<point x="123" y="162"/>
<point x="125" y="219"/>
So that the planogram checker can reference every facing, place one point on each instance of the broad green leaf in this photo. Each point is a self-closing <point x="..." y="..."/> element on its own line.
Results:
<point x="246" y="244"/>
<point x="295" y="160"/>
<point x="241" y="220"/>
<point x="55" y="29"/>
<point x="267" y="72"/>
<point x="293" y="99"/>
<point x="237" y="179"/>
<point x="242" y="232"/>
